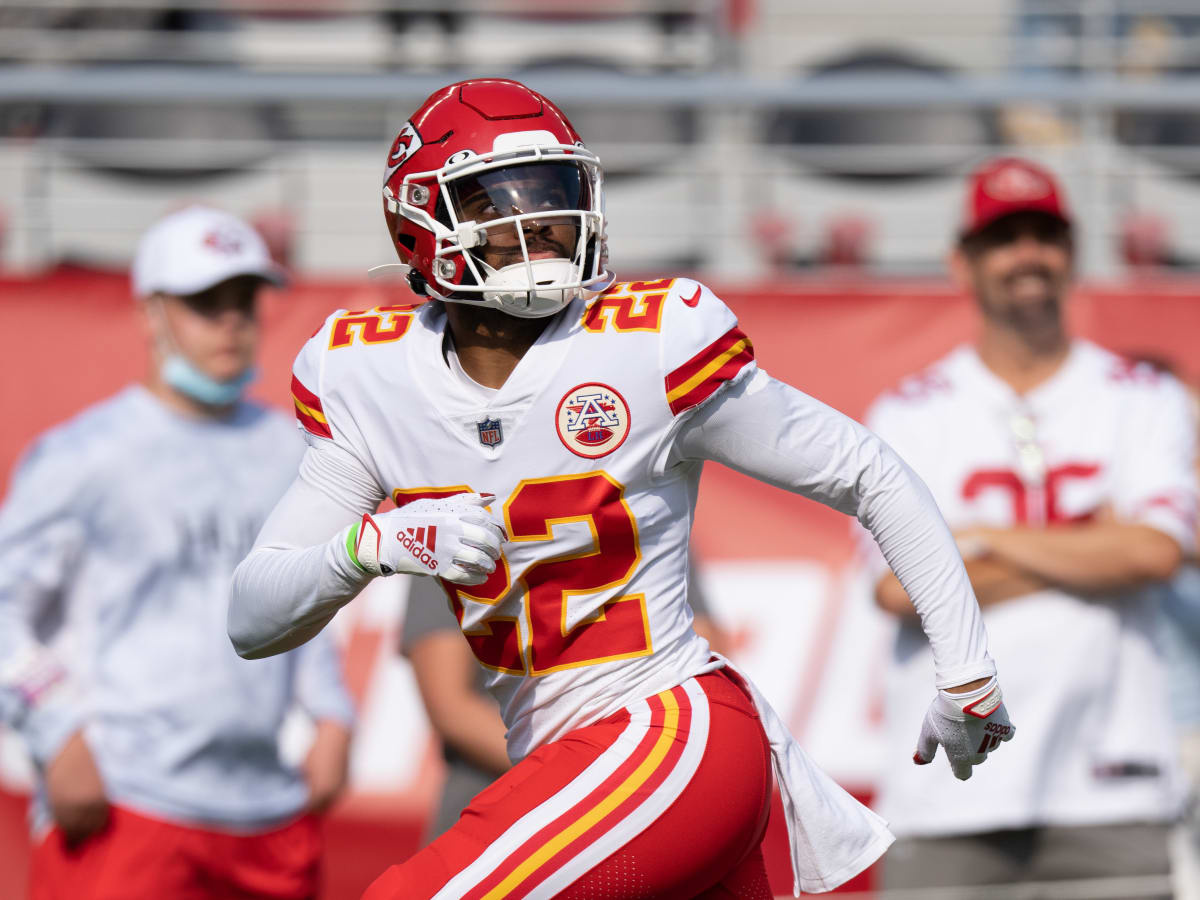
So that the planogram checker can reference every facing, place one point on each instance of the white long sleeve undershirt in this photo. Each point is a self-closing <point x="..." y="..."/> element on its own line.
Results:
<point x="299" y="574"/>
<point x="779" y="435"/>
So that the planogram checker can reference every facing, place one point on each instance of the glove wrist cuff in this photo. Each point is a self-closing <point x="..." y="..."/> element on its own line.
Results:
<point x="979" y="703"/>
<point x="362" y="545"/>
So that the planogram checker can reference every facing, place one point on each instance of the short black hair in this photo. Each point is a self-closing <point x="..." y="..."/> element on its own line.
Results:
<point x="1046" y="227"/>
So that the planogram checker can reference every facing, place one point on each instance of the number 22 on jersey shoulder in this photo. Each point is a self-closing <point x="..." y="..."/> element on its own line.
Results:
<point x="381" y="325"/>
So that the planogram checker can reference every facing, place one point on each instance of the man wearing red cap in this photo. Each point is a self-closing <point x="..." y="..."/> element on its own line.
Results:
<point x="1065" y="472"/>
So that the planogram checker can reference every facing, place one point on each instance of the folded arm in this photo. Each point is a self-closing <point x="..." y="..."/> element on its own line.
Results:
<point x="1092" y="556"/>
<point x="993" y="580"/>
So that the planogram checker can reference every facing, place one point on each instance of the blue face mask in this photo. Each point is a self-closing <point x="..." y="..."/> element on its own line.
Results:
<point x="186" y="378"/>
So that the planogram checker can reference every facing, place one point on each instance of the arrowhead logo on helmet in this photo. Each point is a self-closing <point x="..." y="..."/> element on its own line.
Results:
<point x="407" y="143"/>
<point x="493" y="200"/>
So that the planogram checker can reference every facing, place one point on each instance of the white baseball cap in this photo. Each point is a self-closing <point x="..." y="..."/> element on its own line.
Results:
<point x="191" y="250"/>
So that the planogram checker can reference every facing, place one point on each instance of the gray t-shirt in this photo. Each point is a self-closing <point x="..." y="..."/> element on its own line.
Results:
<point x="118" y="539"/>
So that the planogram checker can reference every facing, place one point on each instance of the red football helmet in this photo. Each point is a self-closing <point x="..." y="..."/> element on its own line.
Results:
<point x="492" y="199"/>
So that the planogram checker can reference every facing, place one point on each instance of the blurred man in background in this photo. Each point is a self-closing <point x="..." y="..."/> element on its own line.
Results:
<point x="1066" y="472"/>
<point x="156" y="747"/>
<point x="453" y="689"/>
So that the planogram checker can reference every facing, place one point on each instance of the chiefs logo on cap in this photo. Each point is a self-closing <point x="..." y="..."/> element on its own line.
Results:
<point x="592" y="420"/>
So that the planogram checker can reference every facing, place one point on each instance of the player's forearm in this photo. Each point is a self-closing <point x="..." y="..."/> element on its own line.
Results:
<point x="282" y="597"/>
<point x="1099" y="556"/>
<point x="898" y="510"/>
<point x="779" y="435"/>
<point x="298" y="574"/>
<point x="992" y="580"/>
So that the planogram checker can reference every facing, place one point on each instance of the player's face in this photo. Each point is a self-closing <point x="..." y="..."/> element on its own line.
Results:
<point x="518" y="190"/>
<point x="1019" y="268"/>
<point x="217" y="329"/>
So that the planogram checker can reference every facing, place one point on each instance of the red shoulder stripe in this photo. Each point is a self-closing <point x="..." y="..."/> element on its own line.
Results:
<point x="305" y="396"/>
<point x="697" y="379"/>
<point x="309" y="411"/>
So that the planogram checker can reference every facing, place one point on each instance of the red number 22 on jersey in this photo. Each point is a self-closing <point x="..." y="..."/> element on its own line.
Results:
<point x="619" y="630"/>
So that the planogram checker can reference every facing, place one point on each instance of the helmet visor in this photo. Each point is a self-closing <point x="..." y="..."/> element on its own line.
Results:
<point x="517" y="190"/>
<point x="525" y="229"/>
<point x="537" y="205"/>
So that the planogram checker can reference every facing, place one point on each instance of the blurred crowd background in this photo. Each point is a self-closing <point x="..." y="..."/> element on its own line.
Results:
<point x="805" y="158"/>
<point x="741" y="137"/>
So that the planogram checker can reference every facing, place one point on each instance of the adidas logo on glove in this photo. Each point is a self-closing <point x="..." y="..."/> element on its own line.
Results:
<point x="421" y="543"/>
<point x="405" y="539"/>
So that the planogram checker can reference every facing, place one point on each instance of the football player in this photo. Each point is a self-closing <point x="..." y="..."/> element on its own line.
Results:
<point x="541" y="429"/>
<point x="1067" y="472"/>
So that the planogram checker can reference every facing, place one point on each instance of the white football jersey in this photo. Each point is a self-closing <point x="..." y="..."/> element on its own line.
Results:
<point x="1080" y="674"/>
<point x="587" y="609"/>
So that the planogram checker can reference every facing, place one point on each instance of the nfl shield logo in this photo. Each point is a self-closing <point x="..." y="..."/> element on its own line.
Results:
<point x="489" y="432"/>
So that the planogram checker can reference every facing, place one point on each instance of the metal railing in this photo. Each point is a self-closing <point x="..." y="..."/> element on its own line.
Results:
<point x="692" y="197"/>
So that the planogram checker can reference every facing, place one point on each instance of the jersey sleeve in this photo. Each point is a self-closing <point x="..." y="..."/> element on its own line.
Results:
<point x="774" y="433"/>
<point x="331" y="463"/>
<point x="307" y="382"/>
<point x="702" y="348"/>
<point x="41" y="539"/>
<point x="1155" y="484"/>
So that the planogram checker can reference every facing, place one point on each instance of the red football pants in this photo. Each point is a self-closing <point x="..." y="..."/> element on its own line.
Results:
<point x="667" y="798"/>
<point x="138" y="858"/>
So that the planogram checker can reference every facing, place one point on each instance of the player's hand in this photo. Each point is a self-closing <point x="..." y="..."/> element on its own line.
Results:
<point x="969" y="726"/>
<point x="454" y="538"/>
<point x="75" y="791"/>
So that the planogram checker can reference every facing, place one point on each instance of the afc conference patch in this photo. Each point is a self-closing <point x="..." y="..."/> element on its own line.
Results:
<point x="490" y="432"/>
<point x="592" y="420"/>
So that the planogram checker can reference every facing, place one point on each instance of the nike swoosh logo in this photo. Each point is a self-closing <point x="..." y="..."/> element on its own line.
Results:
<point x="694" y="299"/>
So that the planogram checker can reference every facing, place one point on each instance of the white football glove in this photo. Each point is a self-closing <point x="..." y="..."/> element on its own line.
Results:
<point x="453" y="538"/>
<point x="969" y="726"/>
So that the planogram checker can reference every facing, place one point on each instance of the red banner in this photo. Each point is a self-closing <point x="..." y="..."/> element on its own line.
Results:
<point x="75" y="337"/>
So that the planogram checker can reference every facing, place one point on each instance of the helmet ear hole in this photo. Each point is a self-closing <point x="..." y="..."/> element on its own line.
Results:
<point x="408" y="241"/>
<point x="417" y="282"/>
<point x="441" y="212"/>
